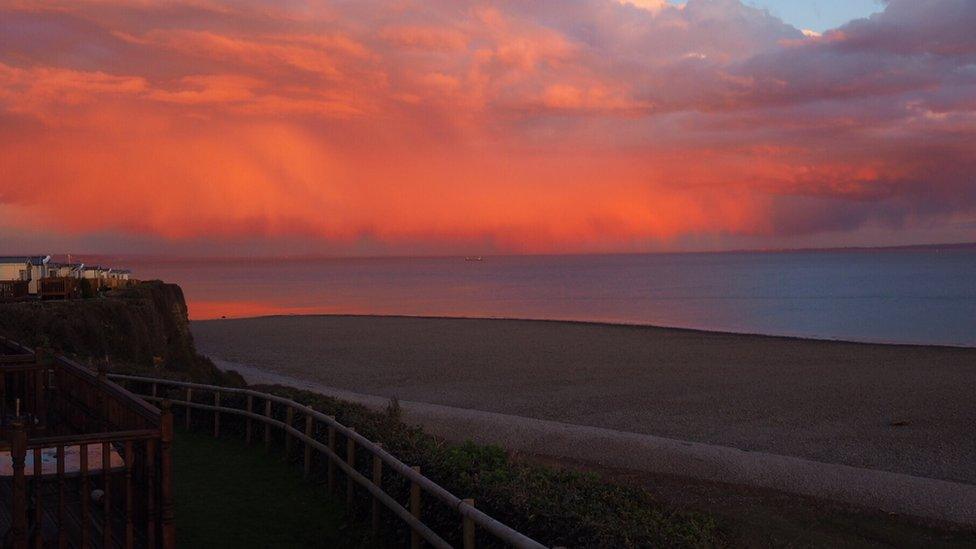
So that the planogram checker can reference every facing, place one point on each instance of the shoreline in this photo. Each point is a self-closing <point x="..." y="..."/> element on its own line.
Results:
<point x="918" y="497"/>
<point x="899" y="408"/>
<point x="600" y="323"/>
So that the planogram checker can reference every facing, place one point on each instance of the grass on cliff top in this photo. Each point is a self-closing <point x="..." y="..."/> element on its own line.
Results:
<point x="228" y="495"/>
<point x="557" y="507"/>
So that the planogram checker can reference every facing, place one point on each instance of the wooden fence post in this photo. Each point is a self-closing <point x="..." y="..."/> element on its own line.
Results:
<point x="217" y="414"/>
<point x="129" y="525"/>
<point x="267" y="426"/>
<point x="467" y="528"/>
<point x="309" y="424"/>
<point x="62" y="531"/>
<point x="166" y="476"/>
<point x="152" y="510"/>
<point x="107" y="494"/>
<point x="38" y="503"/>
<point x="289" y="420"/>
<point x="18" y="455"/>
<point x="351" y="461"/>
<point x="189" y="398"/>
<point x="415" y="509"/>
<point x="332" y="465"/>
<point x="84" y="494"/>
<point x="378" y="482"/>
<point x="250" y="409"/>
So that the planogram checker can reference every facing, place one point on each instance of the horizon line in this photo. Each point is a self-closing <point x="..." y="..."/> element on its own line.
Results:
<point x="313" y="257"/>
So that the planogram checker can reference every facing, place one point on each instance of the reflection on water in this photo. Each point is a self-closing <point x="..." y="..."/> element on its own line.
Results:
<point x="917" y="296"/>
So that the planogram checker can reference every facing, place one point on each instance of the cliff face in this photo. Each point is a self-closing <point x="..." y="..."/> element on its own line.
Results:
<point x="141" y="328"/>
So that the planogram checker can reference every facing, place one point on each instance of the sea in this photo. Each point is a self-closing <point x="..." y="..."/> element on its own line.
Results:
<point x="908" y="296"/>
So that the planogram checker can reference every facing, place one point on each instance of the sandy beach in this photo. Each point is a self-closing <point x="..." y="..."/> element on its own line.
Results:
<point x="905" y="409"/>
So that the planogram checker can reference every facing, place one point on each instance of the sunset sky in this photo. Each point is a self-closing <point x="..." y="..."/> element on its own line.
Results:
<point x="246" y="127"/>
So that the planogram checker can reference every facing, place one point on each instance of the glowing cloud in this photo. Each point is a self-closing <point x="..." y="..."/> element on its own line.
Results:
<point x="392" y="127"/>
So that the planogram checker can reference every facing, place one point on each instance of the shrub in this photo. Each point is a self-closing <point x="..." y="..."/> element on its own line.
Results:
<point x="558" y="507"/>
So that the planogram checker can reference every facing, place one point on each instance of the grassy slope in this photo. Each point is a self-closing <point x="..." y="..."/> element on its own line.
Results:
<point x="555" y="506"/>
<point x="230" y="496"/>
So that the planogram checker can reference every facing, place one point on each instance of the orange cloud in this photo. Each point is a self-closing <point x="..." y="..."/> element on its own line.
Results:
<point x="398" y="126"/>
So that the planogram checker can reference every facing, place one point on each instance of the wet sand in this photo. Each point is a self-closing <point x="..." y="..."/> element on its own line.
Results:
<point x="905" y="409"/>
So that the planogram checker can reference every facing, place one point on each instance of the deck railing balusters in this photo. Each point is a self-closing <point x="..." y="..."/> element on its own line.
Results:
<point x="62" y="530"/>
<point x="18" y="455"/>
<point x="129" y="526"/>
<point x="38" y="500"/>
<point x="152" y="517"/>
<point x="92" y="413"/>
<point x="107" y="494"/>
<point x="85" y="495"/>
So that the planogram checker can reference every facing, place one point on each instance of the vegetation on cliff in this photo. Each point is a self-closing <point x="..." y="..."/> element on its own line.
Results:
<point x="144" y="328"/>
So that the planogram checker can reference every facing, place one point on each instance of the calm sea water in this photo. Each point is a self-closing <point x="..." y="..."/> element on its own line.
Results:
<point x="905" y="296"/>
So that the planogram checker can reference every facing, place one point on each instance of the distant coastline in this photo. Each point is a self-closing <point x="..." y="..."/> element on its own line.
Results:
<point x="598" y="323"/>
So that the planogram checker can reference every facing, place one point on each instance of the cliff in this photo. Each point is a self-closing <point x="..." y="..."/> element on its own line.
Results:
<point x="140" y="329"/>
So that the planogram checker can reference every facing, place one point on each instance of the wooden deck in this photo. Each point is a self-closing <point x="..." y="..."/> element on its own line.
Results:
<point x="51" y="519"/>
<point x="83" y="462"/>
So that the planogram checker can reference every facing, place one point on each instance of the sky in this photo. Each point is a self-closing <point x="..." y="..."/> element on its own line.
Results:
<point x="819" y="15"/>
<point x="397" y="127"/>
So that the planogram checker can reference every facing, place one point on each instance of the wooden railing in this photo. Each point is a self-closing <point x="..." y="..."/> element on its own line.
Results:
<point x="59" y="288"/>
<point x="123" y="499"/>
<point x="14" y="289"/>
<point x="55" y="392"/>
<point x="57" y="416"/>
<point x="470" y="517"/>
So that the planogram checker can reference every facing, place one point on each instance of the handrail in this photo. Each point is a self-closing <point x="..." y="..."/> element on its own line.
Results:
<point x="469" y="512"/>
<point x="127" y="427"/>
<point x="139" y="405"/>
<point x="92" y="438"/>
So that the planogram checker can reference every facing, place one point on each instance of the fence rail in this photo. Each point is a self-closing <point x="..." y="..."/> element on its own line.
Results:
<point x="89" y="462"/>
<point x="471" y="517"/>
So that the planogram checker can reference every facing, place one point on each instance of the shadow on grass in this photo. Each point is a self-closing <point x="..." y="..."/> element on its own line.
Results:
<point x="228" y="495"/>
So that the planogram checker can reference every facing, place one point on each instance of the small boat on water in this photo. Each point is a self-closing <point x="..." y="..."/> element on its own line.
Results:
<point x="474" y="258"/>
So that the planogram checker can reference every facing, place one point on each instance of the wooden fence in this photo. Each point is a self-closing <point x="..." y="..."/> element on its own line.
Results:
<point x="59" y="288"/>
<point x="470" y="517"/>
<point x="13" y="289"/>
<point x="106" y="489"/>
<point x="85" y="462"/>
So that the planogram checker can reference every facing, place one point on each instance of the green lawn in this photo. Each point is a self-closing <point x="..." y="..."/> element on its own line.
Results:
<point x="228" y="495"/>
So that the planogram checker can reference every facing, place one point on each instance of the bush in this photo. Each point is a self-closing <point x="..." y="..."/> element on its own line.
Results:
<point x="555" y="506"/>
